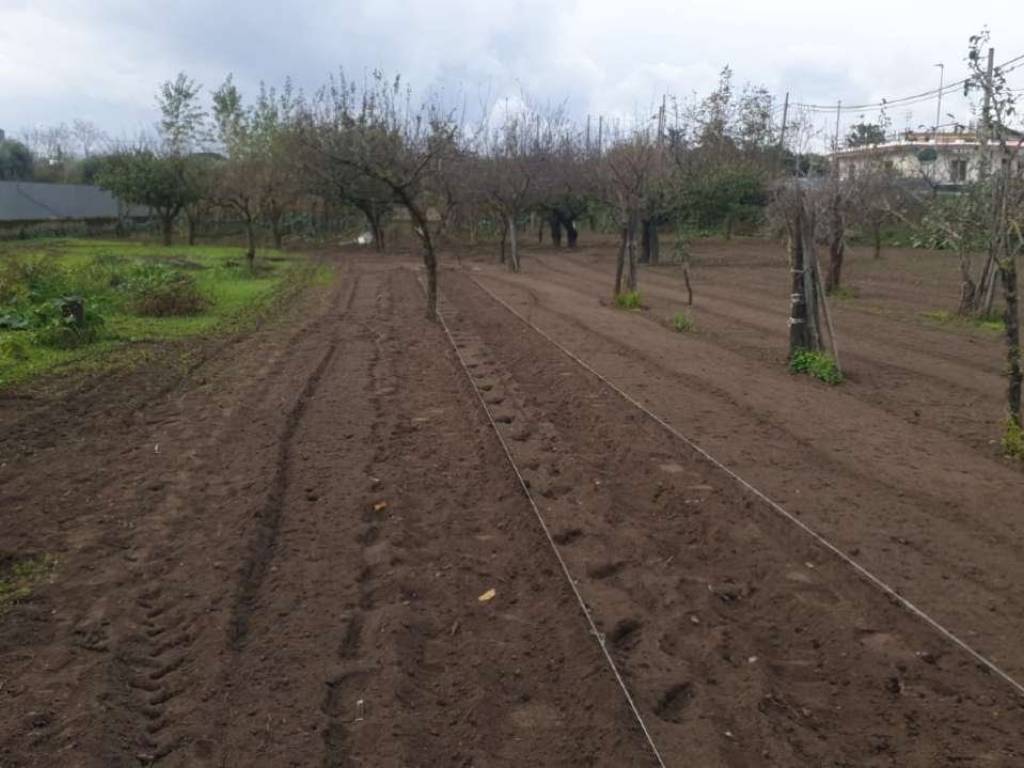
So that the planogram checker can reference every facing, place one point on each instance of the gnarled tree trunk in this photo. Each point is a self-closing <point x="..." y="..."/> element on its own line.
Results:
<point x="651" y="251"/>
<point x="1011" y="318"/>
<point x="513" y="251"/>
<point x="620" y="261"/>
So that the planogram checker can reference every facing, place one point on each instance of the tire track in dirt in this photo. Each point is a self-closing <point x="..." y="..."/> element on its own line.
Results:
<point x="122" y="620"/>
<point x="366" y="643"/>
<point x="745" y="646"/>
<point x="158" y="652"/>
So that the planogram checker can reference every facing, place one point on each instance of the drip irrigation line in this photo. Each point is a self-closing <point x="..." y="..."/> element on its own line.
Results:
<point x="598" y="635"/>
<point x="777" y="507"/>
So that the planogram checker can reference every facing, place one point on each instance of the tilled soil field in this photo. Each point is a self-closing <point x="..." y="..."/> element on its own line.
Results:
<point x="313" y="550"/>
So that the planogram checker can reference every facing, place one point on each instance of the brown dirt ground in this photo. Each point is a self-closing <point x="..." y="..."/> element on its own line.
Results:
<point x="276" y="557"/>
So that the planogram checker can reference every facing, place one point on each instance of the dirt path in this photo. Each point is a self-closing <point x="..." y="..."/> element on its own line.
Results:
<point x="283" y="566"/>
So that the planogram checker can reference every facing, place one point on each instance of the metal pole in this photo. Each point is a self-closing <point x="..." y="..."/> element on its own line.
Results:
<point x="835" y="152"/>
<point x="938" y="107"/>
<point x="782" y="131"/>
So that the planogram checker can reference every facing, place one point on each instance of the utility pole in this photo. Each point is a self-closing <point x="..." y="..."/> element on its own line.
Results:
<point x="782" y="131"/>
<point x="938" y="107"/>
<point x="661" y="120"/>
<point x="835" y="153"/>
<point x="986" y="111"/>
<point x="600" y="134"/>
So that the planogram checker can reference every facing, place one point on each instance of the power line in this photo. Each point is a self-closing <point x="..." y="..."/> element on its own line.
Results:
<point x="911" y="100"/>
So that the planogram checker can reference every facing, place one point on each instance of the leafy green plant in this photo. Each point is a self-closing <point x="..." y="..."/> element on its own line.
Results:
<point x="682" y="323"/>
<point x="30" y="278"/>
<point x="158" y="291"/>
<point x="817" y="364"/>
<point x="1013" y="439"/>
<point x="629" y="300"/>
<point x="14" y="348"/>
<point x="65" y="323"/>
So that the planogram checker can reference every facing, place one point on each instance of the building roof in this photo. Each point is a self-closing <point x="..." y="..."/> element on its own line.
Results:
<point x="913" y="141"/>
<point x="33" y="201"/>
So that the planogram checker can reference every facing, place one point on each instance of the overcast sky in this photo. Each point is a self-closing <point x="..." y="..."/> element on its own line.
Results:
<point x="101" y="60"/>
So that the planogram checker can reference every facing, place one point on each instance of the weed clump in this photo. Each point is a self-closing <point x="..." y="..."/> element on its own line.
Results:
<point x="817" y="364"/>
<point x="157" y="291"/>
<point x="18" y="575"/>
<point x="64" y="323"/>
<point x="682" y="323"/>
<point x="629" y="300"/>
<point x="1013" y="440"/>
<point x="986" y="322"/>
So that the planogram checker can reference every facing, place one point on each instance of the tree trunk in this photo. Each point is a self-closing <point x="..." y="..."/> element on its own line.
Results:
<point x="250" y="253"/>
<point x="556" y="229"/>
<point x="1011" y="318"/>
<point x="812" y="282"/>
<point x="513" y="252"/>
<point x="836" y="246"/>
<point x="798" y="337"/>
<point x="651" y="243"/>
<point x="968" y="290"/>
<point x="504" y="239"/>
<point x="192" y="222"/>
<point x="419" y="221"/>
<point x="803" y="328"/>
<point x="572" y="233"/>
<point x="686" y="279"/>
<point x="275" y="229"/>
<point x="876" y="233"/>
<point x="167" y="228"/>
<point x="620" y="262"/>
<point x="987" y="288"/>
<point x="631" y="277"/>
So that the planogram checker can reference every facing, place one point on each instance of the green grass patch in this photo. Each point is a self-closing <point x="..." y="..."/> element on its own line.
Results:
<point x="19" y="575"/>
<point x="682" y="323"/>
<point x="844" y="293"/>
<point x="992" y="323"/>
<point x="71" y="303"/>
<point x="630" y="300"/>
<point x="817" y="364"/>
<point x="1013" y="440"/>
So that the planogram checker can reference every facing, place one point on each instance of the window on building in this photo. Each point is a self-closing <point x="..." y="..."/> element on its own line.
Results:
<point x="957" y="171"/>
<point x="1006" y="165"/>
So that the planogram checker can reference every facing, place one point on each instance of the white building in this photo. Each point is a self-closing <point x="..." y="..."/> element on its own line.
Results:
<point x="943" y="159"/>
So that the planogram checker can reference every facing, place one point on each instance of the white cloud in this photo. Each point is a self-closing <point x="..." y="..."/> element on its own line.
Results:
<point x="103" y="59"/>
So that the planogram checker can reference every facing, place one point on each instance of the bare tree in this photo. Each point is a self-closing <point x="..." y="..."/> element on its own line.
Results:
<point x="376" y="132"/>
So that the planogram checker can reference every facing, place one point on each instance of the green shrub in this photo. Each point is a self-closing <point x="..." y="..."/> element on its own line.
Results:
<point x="629" y="300"/>
<point x="682" y="323"/>
<point x="61" y="326"/>
<point x="29" y="279"/>
<point x="1013" y="439"/>
<point x="816" y="364"/>
<point x="14" y="348"/>
<point x="157" y="291"/>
